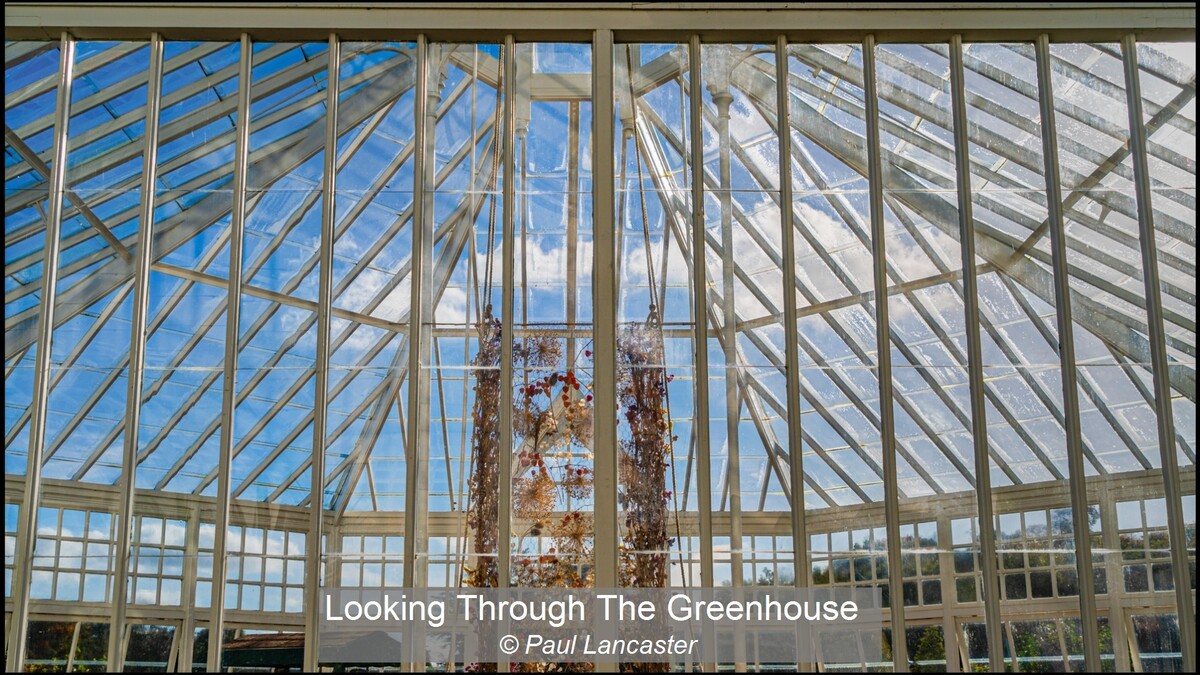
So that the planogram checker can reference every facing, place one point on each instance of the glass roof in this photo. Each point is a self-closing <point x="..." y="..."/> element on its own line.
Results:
<point x="836" y="332"/>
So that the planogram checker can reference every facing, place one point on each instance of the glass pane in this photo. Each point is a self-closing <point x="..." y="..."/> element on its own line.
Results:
<point x="149" y="649"/>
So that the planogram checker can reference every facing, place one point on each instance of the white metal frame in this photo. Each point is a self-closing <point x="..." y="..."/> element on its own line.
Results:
<point x="1030" y="23"/>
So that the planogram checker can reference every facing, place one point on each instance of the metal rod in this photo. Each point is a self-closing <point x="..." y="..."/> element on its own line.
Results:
<point x="508" y="272"/>
<point x="137" y="354"/>
<point x="191" y="559"/>
<point x="416" y="433"/>
<point x="700" y="314"/>
<point x="23" y="561"/>
<point x="1159" y="360"/>
<point x="970" y="281"/>
<point x="316" y="502"/>
<point x="1066" y="355"/>
<point x="700" y="282"/>
<point x="802" y="574"/>
<point x="414" y="459"/>
<point x="573" y="132"/>
<point x="700" y="302"/>
<point x="883" y="356"/>
<point x="604" y="289"/>
<point x="791" y="317"/>
<point x="237" y="223"/>
<point x="722" y="97"/>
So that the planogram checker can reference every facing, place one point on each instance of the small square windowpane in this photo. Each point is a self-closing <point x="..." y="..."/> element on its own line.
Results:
<point x="931" y="592"/>
<point x="275" y="542"/>
<point x="151" y="531"/>
<point x="99" y="526"/>
<point x="203" y="594"/>
<point x="95" y="588"/>
<point x="251" y="597"/>
<point x="1068" y="582"/>
<point x="1040" y="585"/>
<point x="1014" y="587"/>
<point x="966" y="589"/>
<point x="208" y="533"/>
<point x="171" y="591"/>
<point x="67" y="587"/>
<point x="273" y="599"/>
<point x="295" y="600"/>
<point x="1136" y="579"/>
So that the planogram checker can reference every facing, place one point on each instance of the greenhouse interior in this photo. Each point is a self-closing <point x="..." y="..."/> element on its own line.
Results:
<point x="705" y="295"/>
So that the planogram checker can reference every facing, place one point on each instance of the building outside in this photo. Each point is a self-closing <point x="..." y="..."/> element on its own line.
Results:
<point x="426" y="278"/>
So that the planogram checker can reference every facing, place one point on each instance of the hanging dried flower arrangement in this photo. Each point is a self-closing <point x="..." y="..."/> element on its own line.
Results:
<point x="551" y="481"/>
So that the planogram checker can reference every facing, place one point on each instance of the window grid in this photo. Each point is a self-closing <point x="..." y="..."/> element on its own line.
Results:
<point x="156" y="561"/>
<point x="72" y="556"/>
<point x="858" y="559"/>
<point x="11" y="511"/>
<point x="373" y="561"/>
<point x="264" y="570"/>
<point x="769" y="561"/>
<point x="1031" y="546"/>
<point x="1146" y="546"/>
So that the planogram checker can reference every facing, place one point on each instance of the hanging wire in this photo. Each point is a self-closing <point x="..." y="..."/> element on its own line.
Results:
<point x="491" y="250"/>
<point x="488" y="266"/>
<point x="654" y="318"/>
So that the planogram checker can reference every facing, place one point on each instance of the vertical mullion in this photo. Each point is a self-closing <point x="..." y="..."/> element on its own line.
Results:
<point x="700" y="314"/>
<point x="237" y="223"/>
<point x="41" y="374"/>
<point x="1111" y="540"/>
<point x="191" y="559"/>
<point x="1066" y="354"/>
<point x="573" y="132"/>
<point x="791" y="318"/>
<point x="415" y="466"/>
<point x="950" y="634"/>
<point x="883" y="357"/>
<point x="802" y="571"/>
<point x="1158" y="358"/>
<point x="722" y="99"/>
<point x="983" y="482"/>
<point x="316" y="500"/>
<point x="137" y="351"/>
<point x="508" y="271"/>
<point x="604" y="290"/>
<point x="420" y="344"/>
